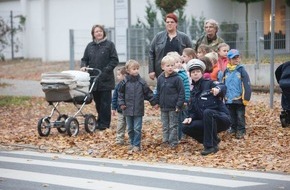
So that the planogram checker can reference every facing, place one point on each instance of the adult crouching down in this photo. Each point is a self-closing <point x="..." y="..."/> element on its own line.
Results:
<point x="207" y="114"/>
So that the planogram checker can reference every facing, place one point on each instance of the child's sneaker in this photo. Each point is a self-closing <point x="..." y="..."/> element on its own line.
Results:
<point x="240" y="134"/>
<point x="130" y="147"/>
<point x="120" y="143"/>
<point x="173" y="146"/>
<point x="134" y="149"/>
<point x="231" y="131"/>
<point x="164" y="145"/>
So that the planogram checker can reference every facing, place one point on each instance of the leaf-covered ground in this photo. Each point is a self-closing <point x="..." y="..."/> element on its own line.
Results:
<point x="266" y="147"/>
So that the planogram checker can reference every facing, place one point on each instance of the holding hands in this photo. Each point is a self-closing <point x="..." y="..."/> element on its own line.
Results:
<point x="187" y="121"/>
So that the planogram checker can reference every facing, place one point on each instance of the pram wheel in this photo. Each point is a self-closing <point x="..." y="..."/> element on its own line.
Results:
<point x="72" y="126"/>
<point x="43" y="127"/>
<point x="61" y="119"/>
<point x="90" y="123"/>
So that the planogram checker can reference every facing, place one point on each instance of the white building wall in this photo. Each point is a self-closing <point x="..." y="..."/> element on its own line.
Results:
<point x="48" y="21"/>
<point x="63" y="15"/>
<point x="5" y="8"/>
<point x="219" y="10"/>
<point x="34" y="30"/>
<point x="255" y="13"/>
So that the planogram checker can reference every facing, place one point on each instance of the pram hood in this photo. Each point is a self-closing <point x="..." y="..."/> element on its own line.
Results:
<point x="82" y="78"/>
<point x="69" y="77"/>
<point x="57" y="77"/>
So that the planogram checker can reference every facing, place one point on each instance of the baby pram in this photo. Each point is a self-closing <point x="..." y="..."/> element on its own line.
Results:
<point x="73" y="87"/>
<point x="282" y="74"/>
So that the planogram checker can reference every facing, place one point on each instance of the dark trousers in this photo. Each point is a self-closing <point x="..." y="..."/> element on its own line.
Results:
<point x="285" y="99"/>
<point x="103" y="101"/>
<point x="237" y="112"/>
<point x="205" y="130"/>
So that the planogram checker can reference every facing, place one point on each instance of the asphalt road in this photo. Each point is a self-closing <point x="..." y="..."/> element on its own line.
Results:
<point x="13" y="87"/>
<point x="35" y="170"/>
<point x="20" y="87"/>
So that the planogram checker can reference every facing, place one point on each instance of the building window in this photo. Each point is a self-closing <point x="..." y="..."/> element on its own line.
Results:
<point x="280" y="25"/>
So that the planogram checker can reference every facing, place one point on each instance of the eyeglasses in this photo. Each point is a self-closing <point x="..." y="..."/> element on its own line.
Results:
<point x="206" y="27"/>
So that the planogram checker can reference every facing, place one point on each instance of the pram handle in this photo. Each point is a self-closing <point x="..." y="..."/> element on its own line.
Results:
<point x="94" y="69"/>
<point x="94" y="76"/>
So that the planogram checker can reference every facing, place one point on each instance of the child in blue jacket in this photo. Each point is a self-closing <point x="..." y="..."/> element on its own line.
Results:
<point x="238" y="93"/>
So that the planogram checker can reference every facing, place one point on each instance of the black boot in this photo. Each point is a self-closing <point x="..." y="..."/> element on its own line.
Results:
<point x="209" y="150"/>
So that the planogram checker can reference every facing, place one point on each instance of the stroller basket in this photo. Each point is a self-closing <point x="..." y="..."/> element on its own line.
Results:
<point x="67" y="86"/>
<point x="56" y="92"/>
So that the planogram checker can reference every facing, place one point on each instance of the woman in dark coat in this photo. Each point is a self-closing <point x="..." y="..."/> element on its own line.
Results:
<point x="101" y="54"/>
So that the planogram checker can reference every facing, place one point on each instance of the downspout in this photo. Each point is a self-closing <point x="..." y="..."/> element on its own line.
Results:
<point x="44" y="28"/>
<point x="23" y="5"/>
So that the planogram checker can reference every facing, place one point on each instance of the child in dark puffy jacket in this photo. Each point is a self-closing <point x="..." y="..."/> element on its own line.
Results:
<point x="133" y="91"/>
<point x="121" y="125"/>
<point x="182" y="73"/>
<point x="170" y="98"/>
<point x="282" y="74"/>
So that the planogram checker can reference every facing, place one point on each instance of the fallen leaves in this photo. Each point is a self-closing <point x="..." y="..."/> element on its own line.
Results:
<point x="266" y="146"/>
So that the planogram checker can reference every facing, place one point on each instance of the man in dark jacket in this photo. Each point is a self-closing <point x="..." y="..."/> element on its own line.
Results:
<point x="207" y="114"/>
<point x="282" y="74"/>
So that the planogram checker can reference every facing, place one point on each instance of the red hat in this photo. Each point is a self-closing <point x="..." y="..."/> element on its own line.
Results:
<point x="172" y="16"/>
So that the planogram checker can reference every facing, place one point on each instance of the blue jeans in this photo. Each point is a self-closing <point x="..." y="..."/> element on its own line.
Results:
<point x="237" y="112"/>
<point x="134" y="124"/>
<point x="170" y="127"/>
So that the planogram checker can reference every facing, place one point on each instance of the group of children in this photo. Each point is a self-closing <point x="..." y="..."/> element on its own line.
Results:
<point x="174" y="86"/>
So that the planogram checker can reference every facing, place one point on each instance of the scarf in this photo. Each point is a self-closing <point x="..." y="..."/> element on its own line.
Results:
<point x="99" y="41"/>
<point x="231" y="67"/>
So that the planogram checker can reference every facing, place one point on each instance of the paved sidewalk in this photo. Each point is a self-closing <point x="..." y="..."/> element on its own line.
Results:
<point x="13" y="87"/>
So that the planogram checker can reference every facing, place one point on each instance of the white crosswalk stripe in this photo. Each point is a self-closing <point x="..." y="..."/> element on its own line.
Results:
<point x="69" y="181"/>
<point x="126" y="168"/>
<point x="159" y="175"/>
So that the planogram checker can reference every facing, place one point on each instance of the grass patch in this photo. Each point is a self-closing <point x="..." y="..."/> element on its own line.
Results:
<point x="3" y="85"/>
<point x="13" y="100"/>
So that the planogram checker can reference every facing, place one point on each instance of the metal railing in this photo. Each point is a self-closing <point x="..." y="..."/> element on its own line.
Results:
<point x="254" y="50"/>
<point x="11" y="35"/>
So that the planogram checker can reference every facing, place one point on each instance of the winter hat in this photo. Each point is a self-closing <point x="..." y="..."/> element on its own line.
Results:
<point x="232" y="53"/>
<point x="195" y="64"/>
<point x="172" y="16"/>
